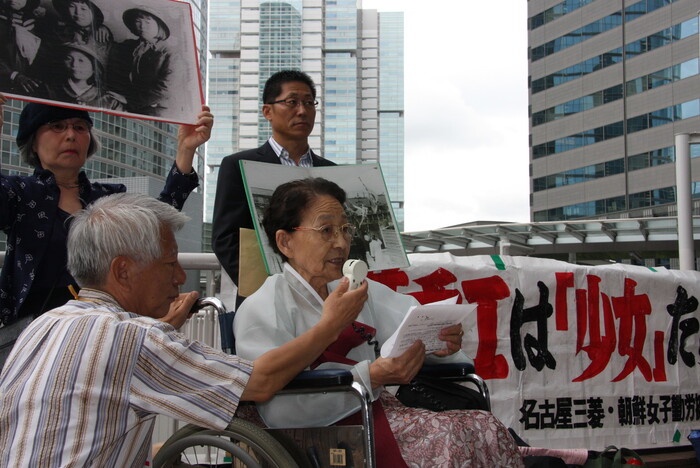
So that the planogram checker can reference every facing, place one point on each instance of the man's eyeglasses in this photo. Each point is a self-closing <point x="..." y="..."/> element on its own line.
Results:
<point x="293" y="103"/>
<point x="329" y="232"/>
<point x="60" y="126"/>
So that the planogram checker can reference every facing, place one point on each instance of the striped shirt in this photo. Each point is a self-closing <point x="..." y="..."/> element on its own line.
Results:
<point x="283" y="154"/>
<point x="84" y="382"/>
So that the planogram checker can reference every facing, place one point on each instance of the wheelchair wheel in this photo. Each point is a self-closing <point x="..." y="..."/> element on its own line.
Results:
<point x="240" y="444"/>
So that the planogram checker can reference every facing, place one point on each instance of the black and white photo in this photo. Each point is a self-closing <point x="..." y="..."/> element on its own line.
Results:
<point x="127" y="57"/>
<point x="377" y="239"/>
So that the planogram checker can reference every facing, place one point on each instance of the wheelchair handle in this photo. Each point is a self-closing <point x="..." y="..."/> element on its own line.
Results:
<point x="203" y="302"/>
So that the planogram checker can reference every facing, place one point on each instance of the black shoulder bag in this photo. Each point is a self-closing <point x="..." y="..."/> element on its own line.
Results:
<point x="439" y="395"/>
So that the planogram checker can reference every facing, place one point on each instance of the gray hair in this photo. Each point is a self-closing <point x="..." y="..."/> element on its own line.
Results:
<point x="29" y="156"/>
<point x="128" y="224"/>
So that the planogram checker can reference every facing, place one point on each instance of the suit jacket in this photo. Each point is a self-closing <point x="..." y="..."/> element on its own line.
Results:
<point x="231" y="211"/>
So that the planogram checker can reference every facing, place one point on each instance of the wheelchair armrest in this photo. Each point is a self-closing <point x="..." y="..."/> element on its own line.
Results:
<point x="321" y="378"/>
<point x="449" y="371"/>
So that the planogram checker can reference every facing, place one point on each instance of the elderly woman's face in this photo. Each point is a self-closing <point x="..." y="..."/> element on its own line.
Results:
<point x="63" y="148"/>
<point x="80" y="13"/>
<point x="317" y="260"/>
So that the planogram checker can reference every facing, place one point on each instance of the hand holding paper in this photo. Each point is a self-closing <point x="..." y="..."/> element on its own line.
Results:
<point x="400" y="369"/>
<point x="424" y="323"/>
<point x="452" y="338"/>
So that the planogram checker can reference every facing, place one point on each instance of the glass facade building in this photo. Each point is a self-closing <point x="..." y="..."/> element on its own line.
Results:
<point x="610" y="87"/>
<point x="354" y="56"/>
<point x="391" y="92"/>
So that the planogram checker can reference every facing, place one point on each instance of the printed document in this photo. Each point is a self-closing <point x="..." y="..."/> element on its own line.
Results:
<point x="424" y="323"/>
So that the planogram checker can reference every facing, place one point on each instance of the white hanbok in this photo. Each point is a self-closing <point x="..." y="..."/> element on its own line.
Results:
<point x="286" y="306"/>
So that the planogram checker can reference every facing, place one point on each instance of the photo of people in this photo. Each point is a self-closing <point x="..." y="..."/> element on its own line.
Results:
<point x="107" y="56"/>
<point x="141" y="68"/>
<point x="82" y="69"/>
<point x="79" y="22"/>
<point x="24" y="56"/>
<point x="377" y="240"/>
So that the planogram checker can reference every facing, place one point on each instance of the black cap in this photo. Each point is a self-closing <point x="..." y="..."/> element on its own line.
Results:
<point x="34" y="115"/>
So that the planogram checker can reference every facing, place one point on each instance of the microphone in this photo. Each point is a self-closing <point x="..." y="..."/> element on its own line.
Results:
<point x="356" y="272"/>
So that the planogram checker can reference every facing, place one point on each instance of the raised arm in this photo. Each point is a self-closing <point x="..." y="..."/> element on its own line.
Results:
<point x="182" y="179"/>
<point x="191" y="137"/>
<point x="274" y="369"/>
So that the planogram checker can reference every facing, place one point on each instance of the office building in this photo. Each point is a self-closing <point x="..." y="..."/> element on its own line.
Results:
<point x="354" y="56"/>
<point x="610" y="85"/>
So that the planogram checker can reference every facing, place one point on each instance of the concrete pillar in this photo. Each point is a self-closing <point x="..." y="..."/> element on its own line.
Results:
<point x="686" y="251"/>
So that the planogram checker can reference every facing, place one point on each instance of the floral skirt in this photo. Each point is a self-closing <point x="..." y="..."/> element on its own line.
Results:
<point x="453" y="439"/>
<point x="449" y="439"/>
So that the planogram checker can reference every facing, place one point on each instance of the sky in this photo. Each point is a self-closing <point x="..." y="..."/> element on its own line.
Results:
<point x="465" y="98"/>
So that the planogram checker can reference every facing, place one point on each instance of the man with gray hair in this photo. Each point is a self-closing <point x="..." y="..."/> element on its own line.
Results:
<point x="84" y="382"/>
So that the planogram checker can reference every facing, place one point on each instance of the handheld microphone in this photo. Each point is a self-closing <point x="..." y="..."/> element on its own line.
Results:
<point x="356" y="272"/>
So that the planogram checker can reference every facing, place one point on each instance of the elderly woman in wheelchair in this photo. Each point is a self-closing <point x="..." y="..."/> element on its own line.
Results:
<point x="306" y="224"/>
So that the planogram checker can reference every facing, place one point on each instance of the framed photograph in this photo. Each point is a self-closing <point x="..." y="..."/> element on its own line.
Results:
<point x="377" y="240"/>
<point x="129" y="57"/>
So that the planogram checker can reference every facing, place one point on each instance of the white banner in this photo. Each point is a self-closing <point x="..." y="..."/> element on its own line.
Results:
<point x="574" y="356"/>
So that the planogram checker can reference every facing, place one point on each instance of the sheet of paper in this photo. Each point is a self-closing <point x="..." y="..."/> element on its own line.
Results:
<point x="424" y="323"/>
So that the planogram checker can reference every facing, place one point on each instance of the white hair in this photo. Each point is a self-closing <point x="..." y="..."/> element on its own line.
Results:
<point x="127" y="224"/>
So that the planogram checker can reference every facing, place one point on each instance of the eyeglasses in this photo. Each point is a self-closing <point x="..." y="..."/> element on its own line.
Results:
<point x="293" y="103"/>
<point x="329" y="232"/>
<point x="60" y="126"/>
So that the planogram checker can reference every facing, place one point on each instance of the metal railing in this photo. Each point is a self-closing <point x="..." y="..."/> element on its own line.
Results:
<point x="206" y="263"/>
<point x="190" y="261"/>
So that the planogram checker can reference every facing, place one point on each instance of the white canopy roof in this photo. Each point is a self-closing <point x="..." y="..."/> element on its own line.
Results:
<point x="549" y="238"/>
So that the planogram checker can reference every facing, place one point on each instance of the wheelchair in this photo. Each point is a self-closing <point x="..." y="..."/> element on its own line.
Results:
<point x="244" y="443"/>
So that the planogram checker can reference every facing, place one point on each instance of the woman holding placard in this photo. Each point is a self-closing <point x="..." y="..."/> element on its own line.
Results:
<point x="35" y="210"/>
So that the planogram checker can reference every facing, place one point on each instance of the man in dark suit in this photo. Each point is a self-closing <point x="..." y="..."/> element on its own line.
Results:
<point x="289" y="103"/>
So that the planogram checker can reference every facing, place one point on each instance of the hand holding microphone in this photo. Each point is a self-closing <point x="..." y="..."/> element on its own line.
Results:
<point x="343" y="308"/>
<point x="356" y="272"/>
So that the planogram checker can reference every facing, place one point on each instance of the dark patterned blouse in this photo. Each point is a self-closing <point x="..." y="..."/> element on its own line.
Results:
<point x="28" y="211"/>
